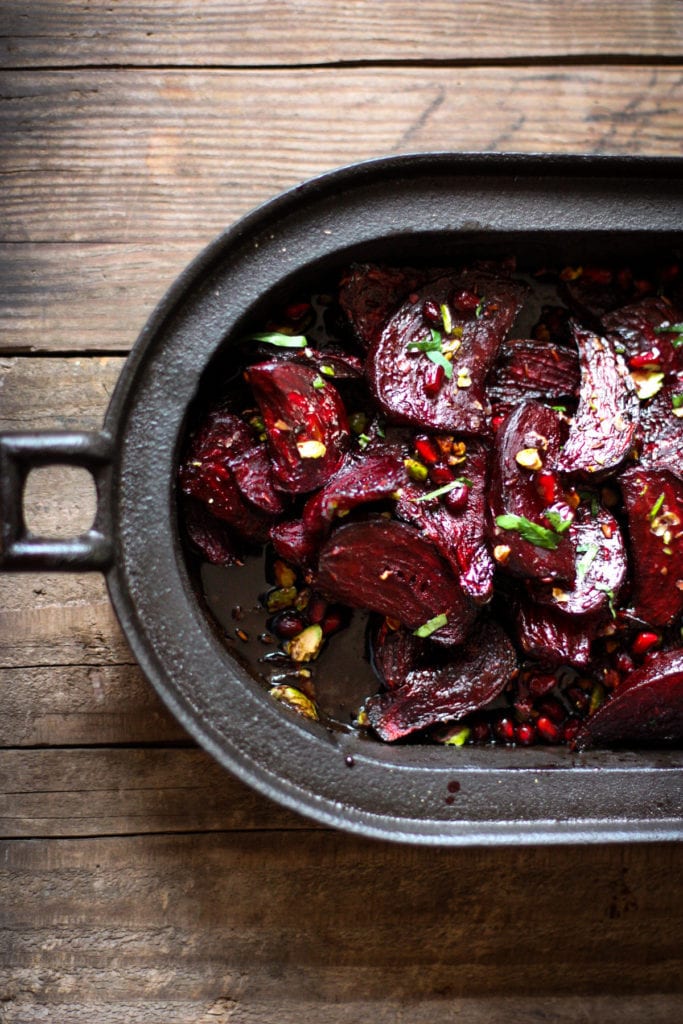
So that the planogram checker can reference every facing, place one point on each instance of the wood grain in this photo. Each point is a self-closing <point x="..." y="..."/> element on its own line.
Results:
<point x="114" y="180"/>
<point x="316" y="926"/>
<point x="260" y="33"/>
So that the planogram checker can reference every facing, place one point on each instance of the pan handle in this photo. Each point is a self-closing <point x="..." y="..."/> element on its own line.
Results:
<point x="22" y="452"/>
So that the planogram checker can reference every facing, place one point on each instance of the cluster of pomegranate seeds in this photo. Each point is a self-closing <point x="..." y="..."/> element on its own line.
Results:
<point x="502" y="496"/>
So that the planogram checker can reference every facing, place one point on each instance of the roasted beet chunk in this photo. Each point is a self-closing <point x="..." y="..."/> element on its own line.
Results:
<point x="471" y="679"/>
<point x="227" y="469"/>
<point x="603" y="430"/>
<point x="528" y="368"/>
<point x="646" y="709"/>
<point x="431" y="361"/>
<point x="551" y="638"/>
<point x="305" y="422"/>
<point x="455" y="521"/>
<point x="530" y="515"/>
<point x="661" y="423"/>
<point x="638" y="329"/>
<point x="600" y="562"/>
<point x="593" y="291"/>
<point x="369" y="295"/>
<point x="654" y="506"/>
<point x="208" y="535"/>
<point x="388" y="567"/>
<point x="395" y="652"/>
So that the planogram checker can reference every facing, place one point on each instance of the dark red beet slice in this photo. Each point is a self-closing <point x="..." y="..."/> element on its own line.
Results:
<point x="409" y="386"/>
<point x="388" y="567"/>
<point x="554" y="639"/>
<point x="208" y="535"/>
<point x="368" y="477"/>
<point x="654" y="507"/>
<point x="220" y="445"/>
<point x="459" y="535"/>
<point x="307" y="427"/>
<point x="470" y="681"/>
<point x="646" y="708"/>
<point x="593" y="291"/>
<point x="634" y="326"/>
<point x="294" y="543"/>
<point x="602" y="432"/>
<point x="528" y="368"/>
<point x="527" y="493"/>
<point x="395" y="653"/>
<point x="601" y="565"/>
<point x="369" y="295"/>
<point x="662" y="429"/>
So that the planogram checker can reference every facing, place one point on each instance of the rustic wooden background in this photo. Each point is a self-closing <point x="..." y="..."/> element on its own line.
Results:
<point x="138" y="882"/>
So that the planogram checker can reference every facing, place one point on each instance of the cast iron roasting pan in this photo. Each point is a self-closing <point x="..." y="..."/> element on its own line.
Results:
<point x="416" y="208"/>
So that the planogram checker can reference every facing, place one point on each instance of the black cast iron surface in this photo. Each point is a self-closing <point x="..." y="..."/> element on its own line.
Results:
<point x="415" y="208"/>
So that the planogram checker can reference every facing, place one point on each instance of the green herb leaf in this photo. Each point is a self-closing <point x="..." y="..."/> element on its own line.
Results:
<point x="446" y="488"/>
<point x="280" y="340"/>
<point x="480" y="308"/>
<point x="559" y="408"/>
<point x="327" y="370"/>
<point x="610" y="598"/>
<point x="440" y="360"/>
<point x="677" y="401"/>
<point x="431" y="626"/>
<point x="670" y="329"/>
<point x="657" y="505"/>
<point x="318" y="382"/>
<point x="588" y="553"/>
<point x="363" y="441"/>
<point x="558" y="522"/>
<point x="431" y="344"/>
<point x="535" y="534"/>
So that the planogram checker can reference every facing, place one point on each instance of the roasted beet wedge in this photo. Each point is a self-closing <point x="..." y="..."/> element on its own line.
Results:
<point x="638" y="328"/>
<point x="661" y="426"/>
<point x="472" y="678"/>
<point x="306" y="424"/>
<point x="430" y="363"/>
<point x="594" y="291"/>
<point x="647" y="708"/>
<point x="551" y="638"/>
<point x="459" y="534"/>
<point x="602" y="432"/>
<point x="214" y="473"/>
<point x="529" y="368"/>
<point x="370" y="294"/>
<point x="209" y="536"/>
<point x="395" y="652"/>
<point x="294" y="543"/>
<point x="600" y="564"/>
<point x="367" y="477"/>
<point x="654" y="507"/>
<point x="388" y="567"/>
<point x="525" y="497"/>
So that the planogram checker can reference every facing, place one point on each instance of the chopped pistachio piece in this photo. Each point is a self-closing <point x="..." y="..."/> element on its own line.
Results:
<point x="296" y="700"/>
<point x="311" y="449"/>
<point x="307" y="644"/>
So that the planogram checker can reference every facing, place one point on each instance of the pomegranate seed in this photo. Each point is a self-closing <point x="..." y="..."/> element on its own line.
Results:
<point x="465" y="302"/>
<point x="552" y="709"/>
<point x="317" y="608"/>
<point x="333" y="622"/>
<point x="426" y="449"/>
<point x="441" y="475"/>
<point x="433" y="379"/>
<point x="504" y="729"/>
<point x="525" y="734"/>
<point x="456" y="500"/>
<point x="547" y="730"/>
<point x="643" y="642"/>
<point x="287" y="624"/>
<point x="650" y="360"/>
<point x="431" y="312"/>
<point x="548" y="487"/>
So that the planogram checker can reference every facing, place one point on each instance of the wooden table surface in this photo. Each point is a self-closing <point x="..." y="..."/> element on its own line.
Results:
<point x="138" y="881"/>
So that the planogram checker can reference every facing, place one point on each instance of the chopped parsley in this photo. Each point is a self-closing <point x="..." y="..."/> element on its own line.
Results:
<point x="672" y="329"/>
<point x="431" y="344"/>
<point x="558" y="522"/>
<point x="610" y="597"/>
<point x="280" y="340"/>
<point x="532" y="532"/>
<point x="440" y="360"/>
<point x="431" y="625"/>
<point x="588" y="553"/>
<point x="657" y="505"/>
<point x="677" y="401"/>
<point x="446" y="488"/>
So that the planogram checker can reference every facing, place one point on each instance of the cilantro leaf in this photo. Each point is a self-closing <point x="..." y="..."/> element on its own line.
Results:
<point x="440" y="360"/>
<point x="532" y="532"/>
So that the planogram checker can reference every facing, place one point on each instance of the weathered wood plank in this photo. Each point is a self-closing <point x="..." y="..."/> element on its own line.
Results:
<point x="242" y="32"/>
<point x="109" y="791"/>
<point x="318" y="926"/>
<point x="143" y="156"/>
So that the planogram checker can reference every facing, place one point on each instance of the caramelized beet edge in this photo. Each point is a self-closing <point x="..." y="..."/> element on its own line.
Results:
<point x="470" y="680"/>
<point x="389" y="568"/>
<point x="646" y="708"/>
